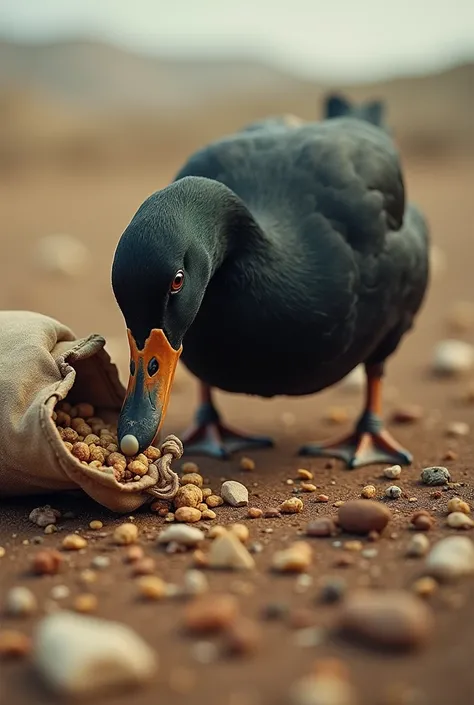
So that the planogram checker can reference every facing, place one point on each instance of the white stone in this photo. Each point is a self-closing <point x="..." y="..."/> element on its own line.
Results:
<point x="61" y="254"/>
<point x="326" y="689"/>
<point x="451" y="558"/>
<point x="453" y="357"/>
<point x="418" y="546"/>
<point x="84" y="656"/>
<point x="181" y="534"/>
<point x="129" y="445"/>
<point x="457" y="429"/>
<point x="459" y="520"/>
<point x="227" y="552"/>
<point x="393" y="472"/>
<point x="195" y="582"/>
<point x="20" y="602"/>
<point x="235" y="493"/>
<point x="393" y="492"/>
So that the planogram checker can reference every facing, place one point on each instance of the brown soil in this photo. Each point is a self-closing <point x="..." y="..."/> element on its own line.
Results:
<point x="96" y="207"/>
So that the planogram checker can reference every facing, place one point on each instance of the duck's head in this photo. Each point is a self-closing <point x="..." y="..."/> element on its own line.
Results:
<point x="160" y="272"/>
<point x="372" y="111"/>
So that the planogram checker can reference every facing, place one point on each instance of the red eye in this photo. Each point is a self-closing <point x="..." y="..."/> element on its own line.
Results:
<point x="177" y="282"/>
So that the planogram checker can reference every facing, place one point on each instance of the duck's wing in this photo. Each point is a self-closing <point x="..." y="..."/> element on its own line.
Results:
<point x="344" y="170"/>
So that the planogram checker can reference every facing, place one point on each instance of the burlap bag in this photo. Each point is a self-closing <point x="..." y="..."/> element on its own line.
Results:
<point x="41" y="363"/>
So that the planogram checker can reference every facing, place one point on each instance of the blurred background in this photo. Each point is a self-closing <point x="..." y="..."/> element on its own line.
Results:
<point x="100" y="103"/>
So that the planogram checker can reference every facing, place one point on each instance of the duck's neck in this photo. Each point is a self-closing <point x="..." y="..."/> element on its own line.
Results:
<point x="224" y="223"/>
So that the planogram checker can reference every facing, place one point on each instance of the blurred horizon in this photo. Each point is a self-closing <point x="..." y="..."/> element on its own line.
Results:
<point x="336" y="41"/>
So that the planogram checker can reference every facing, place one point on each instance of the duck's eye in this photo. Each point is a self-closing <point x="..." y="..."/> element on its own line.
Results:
<point x="177" y="282"/>
<point x="153" y="366"/>
<point x="132" y="367"/>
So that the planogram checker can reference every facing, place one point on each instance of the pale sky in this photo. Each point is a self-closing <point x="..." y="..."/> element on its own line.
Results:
<point x="333" y="39"/>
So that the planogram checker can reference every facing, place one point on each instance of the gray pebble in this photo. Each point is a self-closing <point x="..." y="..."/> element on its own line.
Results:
<point x="333" y="590"/>
<point x="393" y="492"/>
<point x="435" y="476"/>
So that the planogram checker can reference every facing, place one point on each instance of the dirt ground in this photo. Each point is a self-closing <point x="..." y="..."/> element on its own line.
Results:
<point x="95" y="207"/>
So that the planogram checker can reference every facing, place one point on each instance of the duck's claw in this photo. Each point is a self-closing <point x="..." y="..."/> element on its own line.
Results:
<point x="369" y="444"/>
<point x="208" y="436"/>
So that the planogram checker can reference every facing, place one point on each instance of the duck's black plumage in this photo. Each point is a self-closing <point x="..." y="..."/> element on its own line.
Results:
<point x="330" y="275"/>
<point x="300" y="255"/>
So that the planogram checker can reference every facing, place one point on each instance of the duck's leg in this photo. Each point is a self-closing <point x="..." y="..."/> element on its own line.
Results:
<point x="370" y="443"/>
<point x="209" y="436"/>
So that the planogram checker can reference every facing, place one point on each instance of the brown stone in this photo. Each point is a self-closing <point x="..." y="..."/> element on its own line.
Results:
<point x="362" y="516"/>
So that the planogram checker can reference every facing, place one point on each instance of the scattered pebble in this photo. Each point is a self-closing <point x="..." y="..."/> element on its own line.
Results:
<point x="456" y="504"/>
<point x="188" y="467"/>
<point x="393" y="472"/>
<point x="332" y="590"/>
<point x="100" y="562"/>
<point x="291" y="506"/>
<point x="369" y="552"/>
<point x="44" y="516"/>
<point x="50" y="529"/>
<point x="425" y="586"/>
<point x="418" y="546"/>
<point x="361" y="516"/>
<point x="134" y="554"/>
<point x="214" y="501"/>
<point x="20" y="602"/>
<point x="242" y="638"/>
<point x="227" y="552"/>
<point x="353" y="546"/>
<point x="322" y="527"/>
<point x="125" y="534"/>
<point x="422" y="520"/>
<point x="192" y="478"/>
<point x="85" y="603"/>
<point x="241" y="531"/>
<point x="368" y="492"/>
<point x="234" y="493"/>
<point x="60" y="592"/>
<point x="214" y="613"/>
<point x="435" y="476"/>
<point x="254" y="513"/>
<point x="188" y="536"/>
<point x="195" y="583"/>
<point x="308" y="487"/>
<point x="393" y="492"/>
<point x="216" y="531"/>
<point x="73" y="542"/>
<point x="407" y="414"/>
<point x="459" y="520"/>
<point x="208" y="514"/>
<point x="391" y="618"/>
<point x="452" y="357"/>
<point x="323" y="498"/>
<point x="329" y="685"/>
<point x="272" y="513"/>
<point x="247" y="464"/>
<point x="47" y="562"/>
<point x="82" y="655"/>
<point x="188" y="515"/>
<point x="295" y="559"/>
<point x="96" y="525"/>
<point x="146" y="566"/>
<point x="451" y="558"/>
<point x="150" y="587"/>
<point x="14" y="644"/>
<point x="305" y="475"/>
<point x="457" y="429"/>
<point x="309" y="637"/>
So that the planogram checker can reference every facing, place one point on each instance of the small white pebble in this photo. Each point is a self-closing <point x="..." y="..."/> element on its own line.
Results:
<point x="309" y="637"/>
<point x="20" y="602"/>
<point x="78" y="655"/>
<point x="129" y="445"/>
<point x="195" y="582"/>
<point x="393" y="473"/>
<point x="418" y="546"/>
<point x="303" y="582"/>
<point x="235" y="493"/>
<point x="60" y="592"/>
<point x="458" y="429"/>
<point x="459" y="520"/>
<point x="100" y="562"/>
<point x="453" y="357"/>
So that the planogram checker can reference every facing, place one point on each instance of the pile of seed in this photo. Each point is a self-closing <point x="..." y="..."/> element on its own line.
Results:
<point x="94" y="443"/>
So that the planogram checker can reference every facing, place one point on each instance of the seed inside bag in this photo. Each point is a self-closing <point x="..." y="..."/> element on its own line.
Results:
<point x="94" y="442"/>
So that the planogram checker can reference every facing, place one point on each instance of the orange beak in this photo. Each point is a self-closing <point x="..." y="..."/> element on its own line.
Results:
<point x="152" y="372"/>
